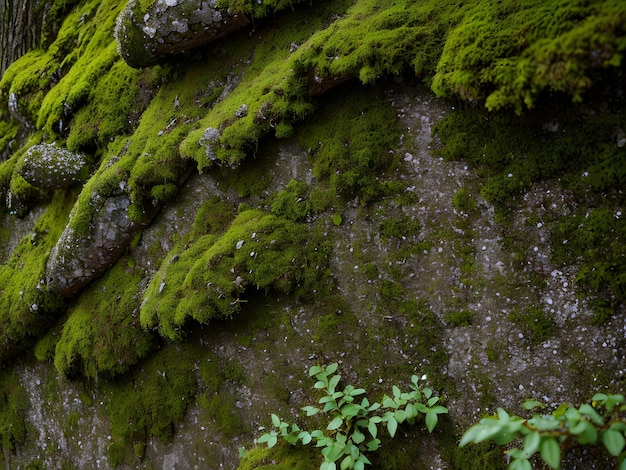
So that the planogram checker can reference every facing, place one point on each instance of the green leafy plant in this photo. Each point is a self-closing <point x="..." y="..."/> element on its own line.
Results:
<point x="602" y="421"/>
<point x="353" y="427"/>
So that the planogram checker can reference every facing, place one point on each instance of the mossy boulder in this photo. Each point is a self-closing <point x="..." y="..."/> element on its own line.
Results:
<point x="84" y="252"/>
<point x="168" y="27"/>
<point x="48" y="166"/>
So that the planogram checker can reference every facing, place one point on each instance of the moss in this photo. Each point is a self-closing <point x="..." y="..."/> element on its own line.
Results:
<point x="14" y="403"/>
<point x="463" y="201"/>
<point x="459" y="318"/>
<point x="207" y="279"/>
<point x="350" y="142"/>
<point x="27" y="307"/>
<point x="103" y="337"/>
<point x="148" y="402"/>
<point x="281" y="457"/>
<point x="536" y="324"/>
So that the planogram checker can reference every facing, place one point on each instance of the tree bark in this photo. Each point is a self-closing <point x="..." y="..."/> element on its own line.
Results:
<point x="21" y="24"/>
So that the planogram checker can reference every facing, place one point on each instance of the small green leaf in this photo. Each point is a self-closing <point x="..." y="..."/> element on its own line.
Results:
<point x="332" y="453"/>
<point x="350" y="410"/>
<point x="550" y="452"/>
<point x="586" y="432"/>
<point x="400" y="416"/>
<point x="335" y="423"/>
<point x="373" y="445"/>
<point x="531" y="443"/>
<point x="431" y="420"/>
<point x="334" y="381"/>
<point x="272" y="441"/>
<point x="320" y="384"/>
<point x="347" y="463"/>
<point x="432" y="401"/>
<point x="357" y="436"/>
<point x="392" y="426"/>
<point x="520" y="464"/>
<point x="331" y="369"/>
<point x="372" y="428"/>
<point x="275" y="420"/>
<point x="243" y="453"/>
<point x="396" y="391"/>
<point x="593" y="415"/>
<point x="305" y="437"/>
<point x="613" y="441"/>
<point x="310" y="410"/>
<point x="314" y="370"/>
<point x="532" y="404"/>
<point x="357" y="391"/>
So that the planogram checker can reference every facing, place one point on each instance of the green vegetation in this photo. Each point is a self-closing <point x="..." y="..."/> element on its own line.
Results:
<point x="602" y="421"/>
<point x="13" y="405"/>
<point x="536" y="88"/>
<point x="149" y="403"/>
<point x="207" y="278"/>
<point x="344" y="439"/>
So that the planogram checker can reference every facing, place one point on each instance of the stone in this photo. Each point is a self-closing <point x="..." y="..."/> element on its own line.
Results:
<point x="77" y="259"/>
<point x="48" y="166"/>
<point x="169" y="27"/>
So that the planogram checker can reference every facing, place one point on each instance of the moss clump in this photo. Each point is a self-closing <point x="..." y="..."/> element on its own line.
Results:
<point x="101" y="337"/>
<point x="27" y="307"/>
<point x="463" y="201"/>
<point x="207" y="277"/>
<point x="535" y="323"/>
<point x="281" y="457"/>
<point x="350" y="139"/>
<point x="522" y="51"/>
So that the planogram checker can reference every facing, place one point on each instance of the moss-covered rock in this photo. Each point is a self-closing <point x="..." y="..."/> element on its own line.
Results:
<point x="168" y="27"/>
<point x="48" y="166"/>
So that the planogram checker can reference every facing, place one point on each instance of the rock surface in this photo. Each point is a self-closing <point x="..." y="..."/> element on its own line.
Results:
<point x="48" y="166"/>
<point x="168" y="27"/>
<point x="78" y="259"/>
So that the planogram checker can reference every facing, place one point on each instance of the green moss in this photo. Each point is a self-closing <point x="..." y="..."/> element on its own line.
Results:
<point x="536" y="324"/>
<point x="522" y="51"/>
<point x="149" y="402"/>
<point x="463" y="201"/>
<point x="350" y="139"/>
<point x="103" y="337"/>
<point x="14" y="403"/>
<point x="459" y="318"/>
<point x="208" y="276"/>
<point x="281" y="457"/>
<point x="27" y="308"/>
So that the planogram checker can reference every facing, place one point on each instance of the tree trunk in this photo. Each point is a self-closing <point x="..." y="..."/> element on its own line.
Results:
<point x="20" y="29"/>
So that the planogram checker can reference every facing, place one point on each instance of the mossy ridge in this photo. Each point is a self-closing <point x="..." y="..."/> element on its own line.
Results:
<point x="26" y="305"/>
<point x="525" y="50"/>
<point x="101" y="338"/>
<point x="92" y="56"/>
<point x="258" y="249"/>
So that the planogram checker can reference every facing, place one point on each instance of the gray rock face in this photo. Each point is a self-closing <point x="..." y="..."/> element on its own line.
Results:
<point x="169" y="27"/>
<point x="48" y="166"/>
<point x="78" y="259"/>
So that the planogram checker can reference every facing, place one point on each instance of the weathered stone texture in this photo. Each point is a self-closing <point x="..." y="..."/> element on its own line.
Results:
<point x="169" y="27"/>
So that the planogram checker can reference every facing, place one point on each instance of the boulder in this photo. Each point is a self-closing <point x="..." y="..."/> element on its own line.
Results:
<point x="168" y="27"/>
<point x="48" y="166"/>
<point x="78" y="258"/>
